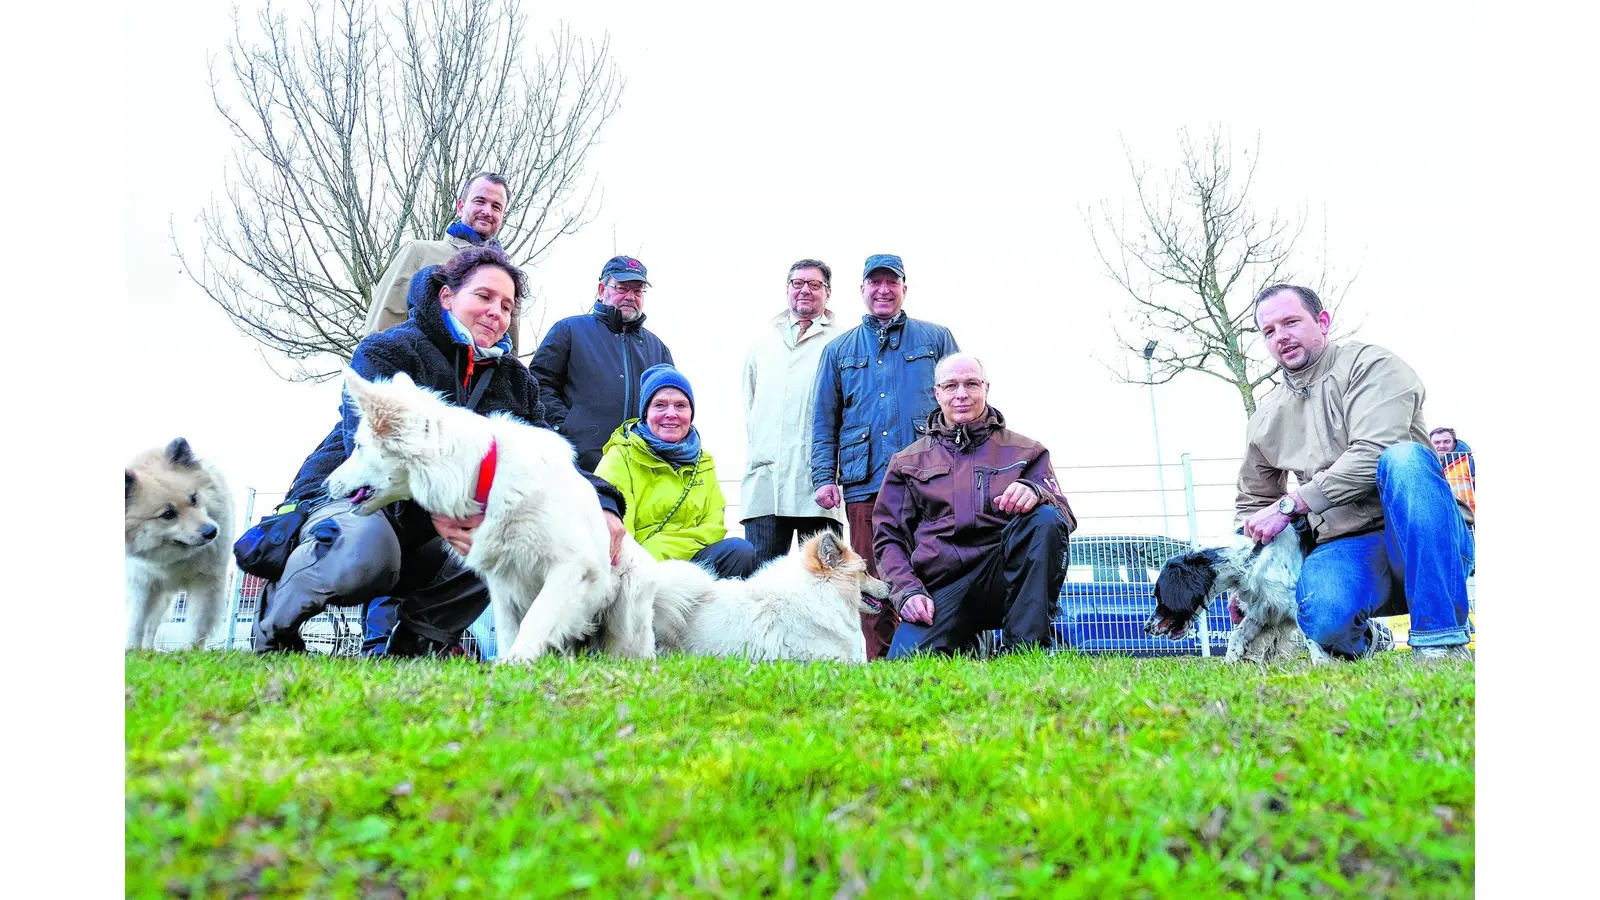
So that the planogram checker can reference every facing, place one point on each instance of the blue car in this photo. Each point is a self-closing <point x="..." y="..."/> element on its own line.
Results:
<point x="1110" y="592"/>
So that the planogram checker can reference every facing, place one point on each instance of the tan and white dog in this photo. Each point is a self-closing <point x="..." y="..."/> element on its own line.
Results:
<point x="806" y="605"/>
<point x="179" y="521"/>
<point x="543" y="549"/>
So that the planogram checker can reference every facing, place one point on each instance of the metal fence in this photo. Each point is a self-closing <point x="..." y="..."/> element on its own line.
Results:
<point x="1132" y="519"/>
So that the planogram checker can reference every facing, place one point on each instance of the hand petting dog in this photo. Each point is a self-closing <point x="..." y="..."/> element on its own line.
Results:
<point x="457" y="532"/>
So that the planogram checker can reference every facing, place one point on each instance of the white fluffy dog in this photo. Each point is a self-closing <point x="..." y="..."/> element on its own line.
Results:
<point x="543" y="548"/>
<point x="806" y="606"/>
<point x="1262" y="581"/>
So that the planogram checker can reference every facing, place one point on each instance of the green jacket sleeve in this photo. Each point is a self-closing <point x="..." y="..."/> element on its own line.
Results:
<point x="614" y="469"/>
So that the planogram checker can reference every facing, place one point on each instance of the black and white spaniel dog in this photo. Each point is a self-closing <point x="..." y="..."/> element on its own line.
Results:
<point x="1262" y="581"/>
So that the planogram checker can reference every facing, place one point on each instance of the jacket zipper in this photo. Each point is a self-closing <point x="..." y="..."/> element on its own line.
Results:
<point x="627" y="377"/>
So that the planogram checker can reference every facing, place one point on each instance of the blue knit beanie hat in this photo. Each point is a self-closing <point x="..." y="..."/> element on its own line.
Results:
<point x="662" y="375"/>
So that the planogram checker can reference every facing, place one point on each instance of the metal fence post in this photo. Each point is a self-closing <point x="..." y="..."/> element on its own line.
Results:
<point x="238" y="582"/>
<point x="1194" y="542"/>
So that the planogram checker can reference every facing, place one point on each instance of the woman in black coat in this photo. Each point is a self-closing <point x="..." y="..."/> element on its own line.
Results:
<point x="457" y="343"/>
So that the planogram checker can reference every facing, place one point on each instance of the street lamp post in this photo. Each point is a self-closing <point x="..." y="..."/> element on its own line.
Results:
<point x="1161" y="479"/>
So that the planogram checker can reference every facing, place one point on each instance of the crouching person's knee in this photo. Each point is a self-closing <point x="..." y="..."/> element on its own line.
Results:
<point x="342" y="560"/>
<point x="1406" y="457"/>
<point x="1328" y="628"/>
<point x="728" y="558"/>
<point x="1044" y="522"/>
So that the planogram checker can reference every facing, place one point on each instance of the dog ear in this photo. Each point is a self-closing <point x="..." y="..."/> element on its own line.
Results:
<point x="179" y="454"/>
<point x="377" y="409"/>
<point x="1184" y="585"/>
<point x="828" y="550"/>
<point x="127" y="494"/>
<point x="401" y="379"/>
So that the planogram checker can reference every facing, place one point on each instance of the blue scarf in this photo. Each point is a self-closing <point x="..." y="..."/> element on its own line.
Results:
<point x="464" y="336"/>
<point x="682" y="453"/>
<point x="461" y="230"/>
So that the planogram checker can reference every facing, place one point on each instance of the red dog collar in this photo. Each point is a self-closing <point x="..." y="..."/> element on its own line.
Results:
<point x="486" y="473"/>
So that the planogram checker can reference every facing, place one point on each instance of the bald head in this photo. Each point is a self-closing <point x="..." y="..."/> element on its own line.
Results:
<point x="961" y="388"/>
<point x="942" y="370"/>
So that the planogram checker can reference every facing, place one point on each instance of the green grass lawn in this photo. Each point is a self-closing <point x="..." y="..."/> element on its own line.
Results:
<point x="1062" y="776"/>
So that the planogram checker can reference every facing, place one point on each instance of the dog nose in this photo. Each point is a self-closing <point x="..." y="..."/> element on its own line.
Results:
<point x="208" y="533"/>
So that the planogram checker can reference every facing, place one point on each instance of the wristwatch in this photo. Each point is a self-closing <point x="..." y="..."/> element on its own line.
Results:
<point x="1286" y="504"/>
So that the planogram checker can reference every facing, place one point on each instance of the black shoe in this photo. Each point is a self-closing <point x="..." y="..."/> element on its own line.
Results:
<point x="405" y="642"/>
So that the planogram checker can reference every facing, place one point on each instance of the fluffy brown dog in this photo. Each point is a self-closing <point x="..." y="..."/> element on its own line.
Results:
<point x="179" y="522"/>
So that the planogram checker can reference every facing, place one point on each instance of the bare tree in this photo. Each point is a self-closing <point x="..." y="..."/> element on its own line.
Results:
<point x="1193" y="261"/>
<point x="355" y="130"/>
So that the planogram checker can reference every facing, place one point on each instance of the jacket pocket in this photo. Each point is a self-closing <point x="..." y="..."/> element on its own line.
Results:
<point x="929" y="500"/>
<point x="992" y="481"/>
<point x="851" y="371"/>
<point x="855" y="451"/>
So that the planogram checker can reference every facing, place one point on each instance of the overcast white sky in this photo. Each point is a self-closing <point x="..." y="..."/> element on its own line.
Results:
<point x="967" y="143"/>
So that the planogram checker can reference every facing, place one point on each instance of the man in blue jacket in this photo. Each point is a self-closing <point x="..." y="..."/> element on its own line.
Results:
<point x="874" y="393"/>
<point x="589" y="366"/>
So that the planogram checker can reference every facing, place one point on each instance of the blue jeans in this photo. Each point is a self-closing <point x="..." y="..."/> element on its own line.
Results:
<point x="1418" y="562"/>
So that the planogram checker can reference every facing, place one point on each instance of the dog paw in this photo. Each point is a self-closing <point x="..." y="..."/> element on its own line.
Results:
<point x="515" y="657"/>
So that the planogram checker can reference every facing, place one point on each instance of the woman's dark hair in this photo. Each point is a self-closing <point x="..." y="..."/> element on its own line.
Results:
<point x="455" y="273"/>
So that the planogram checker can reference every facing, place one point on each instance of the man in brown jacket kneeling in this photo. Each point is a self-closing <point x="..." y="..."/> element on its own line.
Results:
<point x="970" y="526"/>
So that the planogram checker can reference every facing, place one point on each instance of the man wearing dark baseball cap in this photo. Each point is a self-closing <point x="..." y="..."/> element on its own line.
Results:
<point x="589" y="366"/>
<point x="874" y="393"/>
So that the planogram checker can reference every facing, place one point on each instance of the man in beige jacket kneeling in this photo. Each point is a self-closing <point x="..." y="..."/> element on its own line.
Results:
<point x="1390" y="534"/>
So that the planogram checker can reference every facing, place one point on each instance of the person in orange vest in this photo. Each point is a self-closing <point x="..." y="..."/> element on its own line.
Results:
<point x="1459" y="468"/>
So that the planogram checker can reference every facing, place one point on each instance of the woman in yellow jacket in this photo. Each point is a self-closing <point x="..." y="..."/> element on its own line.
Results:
<point x="675" y="506"/>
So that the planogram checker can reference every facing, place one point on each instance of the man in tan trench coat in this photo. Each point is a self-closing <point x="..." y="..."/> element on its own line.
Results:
<point x="776" y="502"/>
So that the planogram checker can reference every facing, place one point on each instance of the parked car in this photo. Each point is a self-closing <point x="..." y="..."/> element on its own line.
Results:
<point x="1110" y="592"/>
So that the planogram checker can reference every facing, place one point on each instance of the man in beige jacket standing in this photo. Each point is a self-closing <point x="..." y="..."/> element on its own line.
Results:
<point x="480" y="212"/>
<point x="1390" y="534"/>
<point x="776" y="502"/>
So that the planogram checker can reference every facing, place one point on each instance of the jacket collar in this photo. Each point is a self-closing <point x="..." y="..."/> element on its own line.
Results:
<point x="613" y="319"/>
<point x="785" y="322"/>
<point x="968" y="436"/>
<point x="896" y="323"/>
<point x="429" y="316"/>
<point x="1302" y="381"/>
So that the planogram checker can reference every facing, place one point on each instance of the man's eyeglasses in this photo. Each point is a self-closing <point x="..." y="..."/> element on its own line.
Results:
<point x="949" y="387"/>
<point x="632" y="287"/>
<point x="798" y="283"/>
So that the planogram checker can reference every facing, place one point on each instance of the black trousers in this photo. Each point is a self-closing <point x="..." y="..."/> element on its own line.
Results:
<point x="727" y="558"/>
<point x="772" y="536"/>
<point x="1015" y="588"/>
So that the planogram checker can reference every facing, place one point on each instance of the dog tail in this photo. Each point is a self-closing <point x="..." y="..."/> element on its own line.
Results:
<point x="681" y="587"/>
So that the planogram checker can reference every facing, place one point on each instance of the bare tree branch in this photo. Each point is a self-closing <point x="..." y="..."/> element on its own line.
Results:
<point x="1194" y="261"/>
<point x="354" y="131"/>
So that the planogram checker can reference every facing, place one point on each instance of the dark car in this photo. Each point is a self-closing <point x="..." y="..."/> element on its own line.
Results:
<point x="1110" y="592"/>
